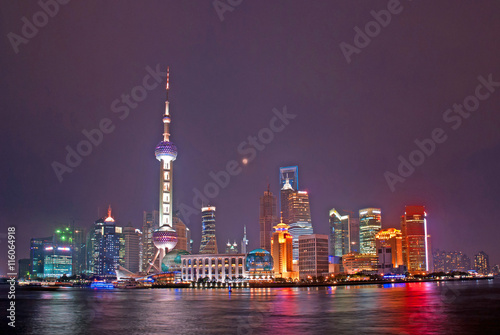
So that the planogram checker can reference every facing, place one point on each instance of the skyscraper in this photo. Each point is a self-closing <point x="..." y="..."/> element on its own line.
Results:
<point x="131" y="238"/>
<point x="339" y="236"/>
<point x="79" y="251"/>
<point x="281" y="250"/>
<point x="183" y="235"/>
<point x="106" y="245"/>
<point x="267" y="218"/>
<point x="208" y="240"/>
<point x="244" y="241"/>
<point x="299" y="216"/>
<point x="447" y="261"/>
<point x="289" y="182"/>
<point x="165" y="237"/>
<point x="37" y="255"/>
<point x="313" y="255"/>
<point x="354" y="233"/>
<point x="150" y="223"/>
<point x="389" y="244"/>
<point x="415" y="246"/>
<point x="370" y="222"/>
<point x="482" y="263"/>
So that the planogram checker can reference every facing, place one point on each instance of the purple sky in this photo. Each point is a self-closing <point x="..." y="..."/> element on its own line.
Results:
<point x="353" y="119"/>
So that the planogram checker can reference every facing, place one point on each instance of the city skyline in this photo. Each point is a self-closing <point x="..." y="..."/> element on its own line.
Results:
<point x="379" y="104"/>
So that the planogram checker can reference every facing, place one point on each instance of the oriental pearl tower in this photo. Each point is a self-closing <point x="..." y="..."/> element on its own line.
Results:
<point x="165" y="237"/>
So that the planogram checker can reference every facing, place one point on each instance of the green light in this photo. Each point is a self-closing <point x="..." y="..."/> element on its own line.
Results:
<point x="63" y="238"/>
<point x="58" y="231"/>
<point x="67" y="228"/>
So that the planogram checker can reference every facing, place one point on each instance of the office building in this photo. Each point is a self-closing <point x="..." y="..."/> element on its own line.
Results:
<point x="79" y="251"/>
<point x="355" y="262"/>
<point x="389" y="244"/>
<point x="37" y="255"/>
<point x="131" y="248"/>
<point x="183" y="235"/>
<point x="267" y="218"/>
<point x="208" y="240"/>
<point x="370" y="222"/>
<point x="289" y="183"/>
<point x="23" y="268"/>
<point x="282" y="251"/>
<point x="339" y="237"/>
<point x="415" y="239"/>
<point x="106" y="243"/>
<point x="299" y="215"/>
<point x="149" y="224"/>
<point x="449" y="261"/>
<point x="482" y="263"/>
<point x="212" y="267"/>
<point x="244" y="241"/>
<point x="354" y="233"/>
<point x="57" y="260"/>
<point x="313" y="256"/>
<point x="232" y="248"/>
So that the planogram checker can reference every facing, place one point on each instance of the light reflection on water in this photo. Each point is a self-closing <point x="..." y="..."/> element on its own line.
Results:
<point x="416" y="308"/>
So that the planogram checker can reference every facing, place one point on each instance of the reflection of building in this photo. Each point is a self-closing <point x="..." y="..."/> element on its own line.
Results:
<point x="183" y="235"/>
<point x="415" y="239"/>
<point x="208" y="241"/>
<point x="149" y="224"/>
<point x="259" y="264"/>
<point x="355" y="262"/>
<point x="282" y="250"/>
<point x="106" y="247"/>
<point x="389" y="249"/>
<point x="445" y="261"/>
<point x="482" y="263"/>
<point x="313" y="255"/>
<point x="339" y="233"/>
<point x="213" y="267"/>
<point x="370" y="222"/>
<point x="289" y="182"/>
<point x="267" y="218"/>
<point x="37" y="255"/>
<point x="131" y="259"/>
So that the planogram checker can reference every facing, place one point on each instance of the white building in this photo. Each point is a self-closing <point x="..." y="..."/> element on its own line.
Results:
<point x="215" y="267"/>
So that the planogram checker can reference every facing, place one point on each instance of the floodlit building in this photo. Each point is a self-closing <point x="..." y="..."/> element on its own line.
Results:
<point x="57" y="260"/>
<point x="389" y="244"/>
<point x="289" y="183"/>
<point x="212" y="267"/>
<point x="267" y="218"/>
<point x="313" y="256"/>
<point x="449" y="261"/>
<point x="482" y="263"/>
<point x="355" y="262"/>
<point x="259" y="265"/>
<point x="370" y="222"/>
<point x="339" y="236"/>
<point x="415" y="239"/>
<point x="149" y="224"/>
<point x="106" y="245"/>
<point x="183" y="235"/>
<point x="282" y="251"/>
<point x="208" y="240"/>
<point x="231" y="248"/>
<point x="37" y="255"/>
<point x="131" y="250"/>
<point x="79" y="251"/>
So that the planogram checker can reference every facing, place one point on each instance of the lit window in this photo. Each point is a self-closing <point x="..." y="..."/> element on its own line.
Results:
<point x="166" y="187"/>
<point x="166" y="165"/>
<point x="166" y="209"/>
<point x="166" y="175"/>
<point x="166" y="197"/>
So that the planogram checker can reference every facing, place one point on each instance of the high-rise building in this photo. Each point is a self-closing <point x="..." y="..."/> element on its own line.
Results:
<point x="57" y="260"/>
<point x="288" y="182"/>
<point x="313" y="256"/>
<point x="79" y="251"/>
<point x="449" y="261"/>
<point x="415" y="247"/>
<point x="106" y="245"/>
<point x="267" y="218"/>
<point x="339" y="237"/>
<point x="482" y="263"/>
<point x="355" y="262"/>
<point x="208" y="240"/>
<point x="149" y="224"/>
<point x="37" y="255"/>
<point x="244" y="241"/>
<point x="232" y="248"/>
<point x="389" y="244"/>
<point x="183" y="235"/>
<point x="370" y="222"/>
<point x="131" y="258"/>
<point x="354" y="233"/>
<point x="281" y="251"/>
<point x="299" y="216"/>
<point x="23" y="269"/>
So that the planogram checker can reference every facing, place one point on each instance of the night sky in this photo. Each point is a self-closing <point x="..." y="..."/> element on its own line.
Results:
<point x="353" y="120"/>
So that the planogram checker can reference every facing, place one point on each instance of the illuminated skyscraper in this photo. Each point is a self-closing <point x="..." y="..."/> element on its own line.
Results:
<point x="313" y="255"/>
<point x="415" y="247"/>
<point x="244" y="241"/>
<point x="183" y="235"/>
<point x="389" y="244"/>
<point x="339" y="236"/>
<point x="281" y="250"/>
<point x="208" y="240"/>
<point x="165" y="237"/>
<point x="354" y="233"/>
<point x="267" y="218"/>
<point x="79" y="251"/>
<point x="482" y="263"/>
<point x="131" y="259"/>
<point x="149" y="224"/>
<point x="106" y="245"/>
<point x="37" y="255"/>
<point x="289" y="182"/>
<point x="299" y="215"/>
<point x="370" y="222"/>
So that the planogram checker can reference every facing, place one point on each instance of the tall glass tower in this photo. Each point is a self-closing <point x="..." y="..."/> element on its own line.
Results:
<point x="339" y="233"/>
<point x="370" y="223"/>
<point x="415" y="239"/>
<point x="267" y="218"/>
<point x="289" y="182"/>
<point x="208" y="241"/>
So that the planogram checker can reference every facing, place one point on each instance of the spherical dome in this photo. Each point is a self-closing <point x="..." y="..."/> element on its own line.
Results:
<point x="259" y="261"/>
<point x="172" y="260"/>
<point x="165" y="237"/>
<point x="166" y="150"/>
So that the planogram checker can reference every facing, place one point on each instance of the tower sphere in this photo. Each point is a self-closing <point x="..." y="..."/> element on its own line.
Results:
<point x="165" y="237"/>
<point x="166" y="150"/>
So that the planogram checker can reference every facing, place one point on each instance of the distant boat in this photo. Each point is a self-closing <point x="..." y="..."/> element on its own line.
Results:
<point x="102" y="285"/>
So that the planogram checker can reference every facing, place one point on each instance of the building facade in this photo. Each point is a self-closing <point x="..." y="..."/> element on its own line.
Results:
<point x="449" y="261"/>
<point x="355" y="262"/>
<point x="482" y="263"/>
<point x="212" y="267"/>
<point x="148" y="250"/>
<point x="389" y="244"/>
<point x="183" y="235"/>
<point x="415" y="239"/>
<point x="208" y="240"/>
<point x="132" y="257"/>
<point x="37" y="255"/>
<point x="289" y="183"/>
<point x="339" y="237"/>
<point x="267" y="218"/>
<point x="79" y="251"/>
<point x="106" y="244"/>
<point x="58" y="260"/>
<point x="313" y="256"/>
<point x="370" y="222"/>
